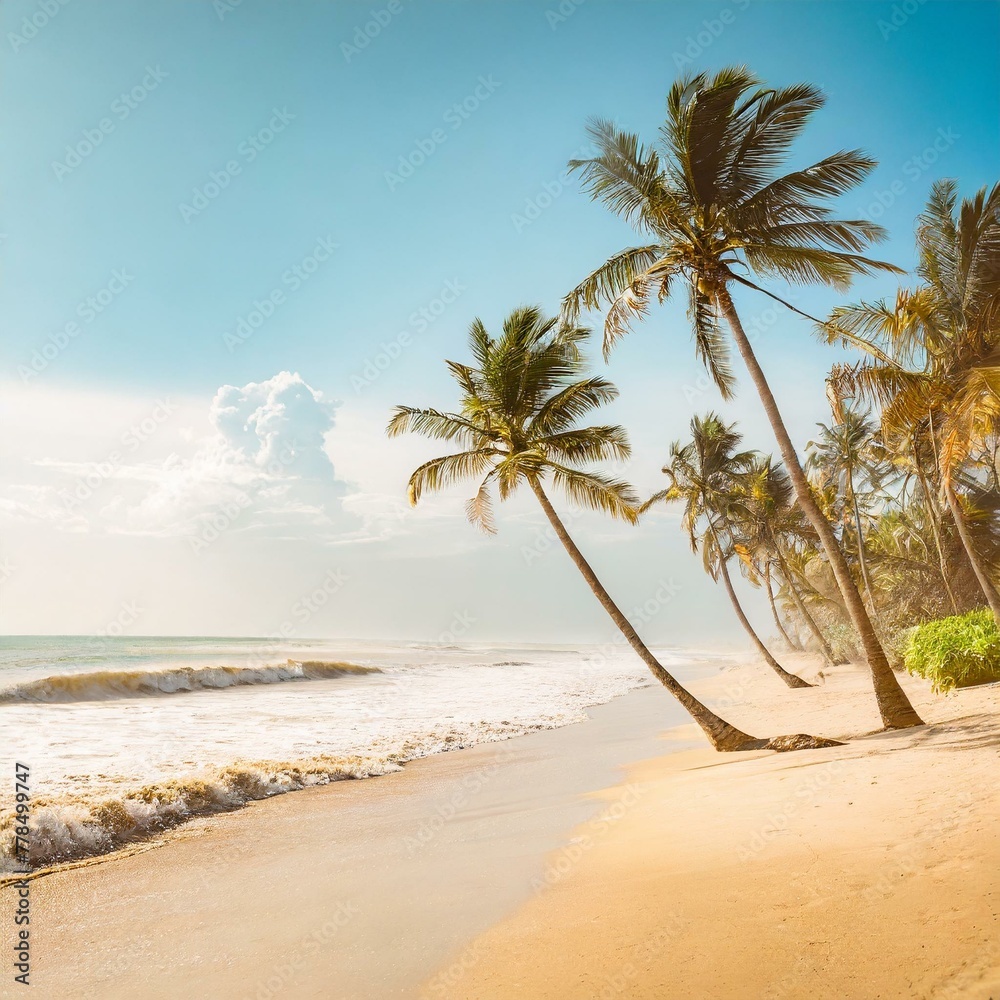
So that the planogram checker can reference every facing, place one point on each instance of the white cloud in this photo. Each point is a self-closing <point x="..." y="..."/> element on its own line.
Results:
<point x="263" y="456"/>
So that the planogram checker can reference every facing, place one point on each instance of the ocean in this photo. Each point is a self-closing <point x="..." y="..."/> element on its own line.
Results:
<point x="126" y="737"/>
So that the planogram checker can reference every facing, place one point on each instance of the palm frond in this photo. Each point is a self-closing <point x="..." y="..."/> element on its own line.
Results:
<point x="435" y="424"/>
<point x="595" y="491"/>
<point x="440" y="473"/>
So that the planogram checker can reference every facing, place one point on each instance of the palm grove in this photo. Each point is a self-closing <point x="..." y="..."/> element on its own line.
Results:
<point x="890" y="519"/>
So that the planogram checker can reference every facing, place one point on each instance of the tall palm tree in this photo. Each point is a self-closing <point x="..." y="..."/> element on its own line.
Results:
<point x="711" y="204"/>
<point x="708" y="476"/>
<point x="517" y="424"/>
<point x="941" y="377"/>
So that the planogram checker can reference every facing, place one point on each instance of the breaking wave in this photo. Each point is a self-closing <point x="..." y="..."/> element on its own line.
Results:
<point x="103" y="684"/>
<point x="72" y="826"/>
<point x="69" y="828"/>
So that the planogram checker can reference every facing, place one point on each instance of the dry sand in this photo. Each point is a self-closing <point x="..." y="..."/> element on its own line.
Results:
<point x="867" y="871"/>
<point x="860" y="872"/>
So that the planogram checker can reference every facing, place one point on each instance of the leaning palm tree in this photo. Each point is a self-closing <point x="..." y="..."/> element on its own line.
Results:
<point x="522" y="400"/>
<point x="711" y="205"/>
<point x="707" y="475"/>
<point x="844" y="455"/>
<point x="936" y="349"/>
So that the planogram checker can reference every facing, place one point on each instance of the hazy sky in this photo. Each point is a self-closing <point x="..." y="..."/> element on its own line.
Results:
<point x="234" y="234"/>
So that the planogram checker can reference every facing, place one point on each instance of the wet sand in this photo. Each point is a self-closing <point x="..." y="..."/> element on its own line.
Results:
<point x="539" y="868"/>
<point x="353" y="890"/>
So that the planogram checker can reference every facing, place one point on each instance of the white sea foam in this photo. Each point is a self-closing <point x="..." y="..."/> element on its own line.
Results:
<point x="118" y="765"/>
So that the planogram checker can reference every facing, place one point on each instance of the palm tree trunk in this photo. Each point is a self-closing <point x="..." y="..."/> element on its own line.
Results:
<point x="824" y="646"/>
<point x="721" y="734"/>
<point x="790" y="679"/>
<point x="894" y="707"/>
<point x="862" y="557"/>
<point x="792" y="644"/>
<point x="934" y="517"/>
<point x="963" y="533"/>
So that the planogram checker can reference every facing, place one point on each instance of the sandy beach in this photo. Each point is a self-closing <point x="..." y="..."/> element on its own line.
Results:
<point x="867" y="871"/>
<point x="540" y="868"/>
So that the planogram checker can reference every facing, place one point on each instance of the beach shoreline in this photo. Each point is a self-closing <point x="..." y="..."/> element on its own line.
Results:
<point x="587" y="861"/>
<point x="366" y="885"/>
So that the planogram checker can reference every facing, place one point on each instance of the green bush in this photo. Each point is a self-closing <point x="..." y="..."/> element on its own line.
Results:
<point x="955" y="652"/>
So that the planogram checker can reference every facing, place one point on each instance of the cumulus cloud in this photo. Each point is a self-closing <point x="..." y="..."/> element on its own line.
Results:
<point x="263" y="461"/>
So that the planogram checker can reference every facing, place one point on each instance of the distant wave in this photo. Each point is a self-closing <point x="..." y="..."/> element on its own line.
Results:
<point x="104" y="684"/>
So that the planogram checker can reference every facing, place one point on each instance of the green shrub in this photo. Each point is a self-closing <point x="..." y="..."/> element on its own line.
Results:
<point x="955" y="652"/>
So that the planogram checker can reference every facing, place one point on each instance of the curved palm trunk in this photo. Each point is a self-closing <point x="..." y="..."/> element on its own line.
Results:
<point x="894" y="707"/>
<point x="789" y="642"/>
<point x="790" y="679"/>
<point x="963" y="533"/>
<point x="721" y="734"/>
<point x="824" y="646"/>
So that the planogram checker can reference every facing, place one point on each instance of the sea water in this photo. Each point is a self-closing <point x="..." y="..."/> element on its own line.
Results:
<point x="128" y="736"/>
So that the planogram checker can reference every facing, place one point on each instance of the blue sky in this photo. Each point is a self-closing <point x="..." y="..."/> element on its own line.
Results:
<point x="284" y="137"/>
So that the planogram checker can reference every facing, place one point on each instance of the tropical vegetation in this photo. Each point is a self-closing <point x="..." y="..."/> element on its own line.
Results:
<point x="956" y="652"/>
<point x="518" y="425"/>
<point x="890" y="518"/>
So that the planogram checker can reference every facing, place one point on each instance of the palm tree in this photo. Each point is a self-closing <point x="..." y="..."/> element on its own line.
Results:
<point x="517" y="424"/>
<point x="844" y="454"/>
<point x="765" y="572"/>
<point x="768" y="523"/>
<point x="940" y="380"/>
<point x="706" y="475"/>
<point x="711" y="204"/>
